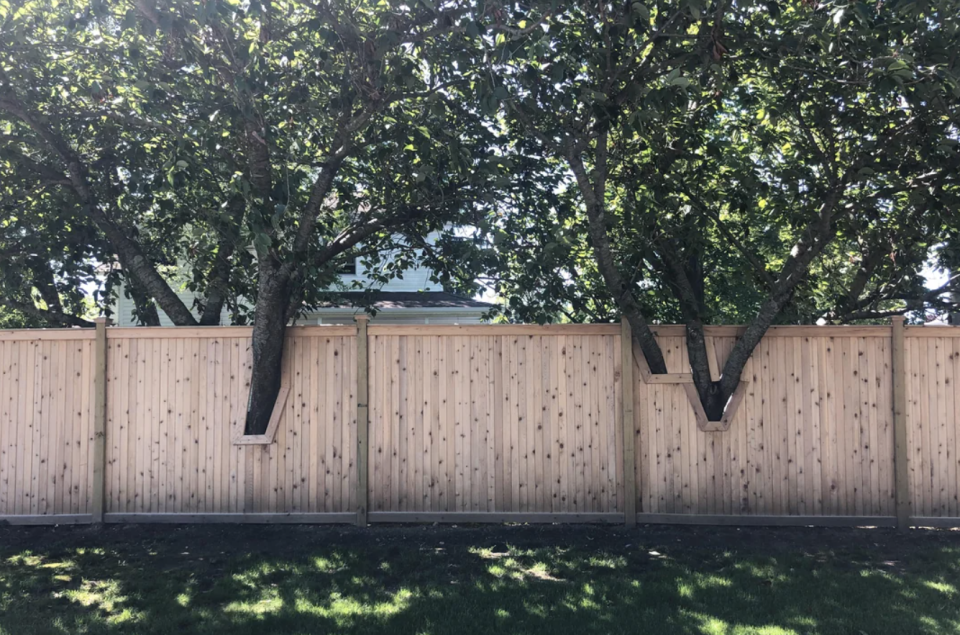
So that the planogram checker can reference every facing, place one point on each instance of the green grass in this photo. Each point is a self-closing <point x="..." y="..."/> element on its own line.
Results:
<point x="555" y="580"/>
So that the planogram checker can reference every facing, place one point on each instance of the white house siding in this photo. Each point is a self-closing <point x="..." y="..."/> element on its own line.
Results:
<point x="399" y="316"/>
<point x="124" y="307"/>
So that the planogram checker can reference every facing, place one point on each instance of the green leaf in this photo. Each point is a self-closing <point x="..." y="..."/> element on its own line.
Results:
<point x="641" y="11"/>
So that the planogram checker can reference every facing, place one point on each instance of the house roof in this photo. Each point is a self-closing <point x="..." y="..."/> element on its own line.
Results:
<point x="381" y="300"/>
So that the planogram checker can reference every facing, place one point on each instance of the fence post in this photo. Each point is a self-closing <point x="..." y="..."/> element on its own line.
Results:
<point x="363" y="422"/>
<point x="629" y="424"/>
<point x="901" y="475"/>
<point x="99" y="418"/>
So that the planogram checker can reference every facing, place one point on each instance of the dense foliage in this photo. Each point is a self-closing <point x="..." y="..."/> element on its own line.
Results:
<point x="685" y="161"/>
<point x="723" y="139"/>
<point x="248" y="147"/>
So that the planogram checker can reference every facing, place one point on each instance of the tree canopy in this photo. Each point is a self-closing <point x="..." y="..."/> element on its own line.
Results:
<point x="687" y="161"/>
<point x="724" y="162"/>
<point x="808" y="150"/>
<point x="249" y="146"/>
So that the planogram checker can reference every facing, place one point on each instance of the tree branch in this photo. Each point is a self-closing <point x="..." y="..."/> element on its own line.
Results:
<point x="58" y="318"/>
<point x="729" y="235"/>
<point x="606" y="264"/>
<point x="129" y="252"/>
<point x="813" y="240"/>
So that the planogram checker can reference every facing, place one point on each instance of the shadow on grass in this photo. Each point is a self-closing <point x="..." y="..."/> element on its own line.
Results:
<point x="312" y="580"/>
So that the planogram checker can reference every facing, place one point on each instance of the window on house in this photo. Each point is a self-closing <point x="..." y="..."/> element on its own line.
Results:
<point x="348" y="267"/>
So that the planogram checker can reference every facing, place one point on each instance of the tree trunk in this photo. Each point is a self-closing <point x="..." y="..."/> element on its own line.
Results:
<point x="212" y="309"/>
<point x="146" y="310"/>
<point x="218" y="285"/>
<point x="269" y="329"/>
<point x="44" y="281"/>
<point x="600" y="241"/>
<point x="817" y="236"/>
<point x="688" y="287"/>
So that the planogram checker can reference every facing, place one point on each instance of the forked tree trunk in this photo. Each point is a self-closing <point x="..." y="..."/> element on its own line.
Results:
<point x="714" y="395"/>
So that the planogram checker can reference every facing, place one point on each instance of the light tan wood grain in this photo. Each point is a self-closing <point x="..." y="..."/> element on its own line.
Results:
<point x="490" y="421"/>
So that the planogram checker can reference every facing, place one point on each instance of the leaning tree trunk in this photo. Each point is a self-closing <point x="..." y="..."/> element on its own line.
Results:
<point x="811" y="243"/>
<point x="606" y="264"/>
<point x="269" y="328"/>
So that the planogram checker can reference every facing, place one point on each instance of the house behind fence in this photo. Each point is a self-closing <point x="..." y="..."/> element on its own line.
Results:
<point x="392" y="423"/>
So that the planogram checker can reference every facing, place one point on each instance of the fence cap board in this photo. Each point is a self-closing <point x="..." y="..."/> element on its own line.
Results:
<point x="22" y="335"/>
<point x="494" y="329"/>
<point x="661" y="330"/>
<point x="790" y="330"/>
<point x="931" y="331"/>
<point x="217" y="332"/>
<point x="176" y="332"/>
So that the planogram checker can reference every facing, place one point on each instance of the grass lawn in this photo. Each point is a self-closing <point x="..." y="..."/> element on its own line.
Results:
<point x="460" y="580"/>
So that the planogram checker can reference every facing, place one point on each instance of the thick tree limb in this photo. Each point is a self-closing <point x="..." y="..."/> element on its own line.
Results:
<point x="813" y="240"/>
<point x="220" y="273"/>
<point x="130" y="254"/>
<point x="603" y="252"/>
<point x="44" y="281"/>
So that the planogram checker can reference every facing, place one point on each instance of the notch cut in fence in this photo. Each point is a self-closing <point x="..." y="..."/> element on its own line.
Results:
<point x="704" y="424"/>
<point x="270" y="435"/>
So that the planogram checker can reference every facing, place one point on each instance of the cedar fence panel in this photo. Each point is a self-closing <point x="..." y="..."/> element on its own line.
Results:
<point x="175" y="405"/>
<point x="933" y="370"/>
<point x="812" y="437"/>
<point x="46" y="424"/>
<point x="494" y="424"/>
<point x="478" y="423"/>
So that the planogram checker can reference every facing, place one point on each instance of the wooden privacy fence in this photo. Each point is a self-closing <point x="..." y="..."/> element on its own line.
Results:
<point x="832" y="425"/>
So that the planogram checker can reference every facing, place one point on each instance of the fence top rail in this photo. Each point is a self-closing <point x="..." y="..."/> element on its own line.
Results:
<point x="192" y="332"/>
<point x="494" y="329"/>
<point x="661" y="330"/>
<point x="22" y="335"/>
<point x="931" y="331"/>
<point x="811" y="330"/>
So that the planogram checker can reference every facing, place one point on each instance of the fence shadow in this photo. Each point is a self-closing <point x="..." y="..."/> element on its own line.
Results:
<point x="297" y="580"/>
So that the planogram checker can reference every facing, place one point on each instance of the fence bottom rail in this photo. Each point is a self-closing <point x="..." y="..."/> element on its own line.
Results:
<point x="385" y="517"/>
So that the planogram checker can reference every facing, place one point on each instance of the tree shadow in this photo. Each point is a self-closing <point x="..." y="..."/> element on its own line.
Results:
<point x="239" y="580"/>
